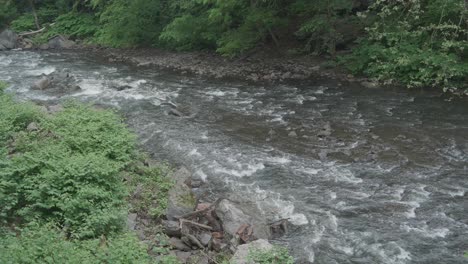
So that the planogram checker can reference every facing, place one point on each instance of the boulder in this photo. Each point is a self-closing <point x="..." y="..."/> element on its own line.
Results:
<point x="132" y="221"/>
<point x="182" y="256"/>
<point x="204" y="238"/>
<point x="181" y="198"/>
<point x="178" y="244"/>
<point x="242" y="254"/>
<point x="59" y="82"/>
<point x="60" y="42"/>
<point x="8" y="39"/>
<point x="370" y="84"/>
<point x="234" y="219"/>
<point x="42" y="84"/>
<point x="171" y="228"/>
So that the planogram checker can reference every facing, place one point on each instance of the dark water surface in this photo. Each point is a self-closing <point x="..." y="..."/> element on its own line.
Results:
<point x="372" y="176"/>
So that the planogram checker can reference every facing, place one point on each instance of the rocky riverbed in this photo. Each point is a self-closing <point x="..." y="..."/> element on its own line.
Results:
<point x="259" y="66"/>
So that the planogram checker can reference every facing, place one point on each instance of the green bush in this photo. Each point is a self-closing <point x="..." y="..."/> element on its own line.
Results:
<point x="131" y="23"/>
<point x="25" y="22"/>
<point x="422" y="44"/>
<point x="46" y="244"/>
<point x="68" y="171"/>
<point x="74" y="25"/>
<point x="277" y="255"/>
<point x="8" y="11"/>
<point x="152" y="186"/>
<point x="64" y="187"/>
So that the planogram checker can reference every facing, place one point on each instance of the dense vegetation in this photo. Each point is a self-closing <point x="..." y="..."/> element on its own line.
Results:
<point x="418" y="43"/>
<point x="64" y="183"/>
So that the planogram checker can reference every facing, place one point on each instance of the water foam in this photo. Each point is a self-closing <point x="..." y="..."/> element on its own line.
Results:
<point x="248" y="171"/>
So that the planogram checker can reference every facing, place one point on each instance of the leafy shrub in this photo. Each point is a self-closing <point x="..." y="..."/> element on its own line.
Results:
<point x="46" y="244"/>
<point x="24" y="22"/>
<point x="277" y="255"/>
<point x="74" y="25"/>
<point x="131" y="23"/>
<point x="151" y="186"/>
<point x="322" y="21"/>
<point x="419" y="44"/>
<point x="7" y="12"/>
<point x="67" y="172"/>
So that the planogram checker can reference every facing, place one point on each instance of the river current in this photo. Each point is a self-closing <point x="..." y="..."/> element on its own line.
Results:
<point x="364" y="175"/>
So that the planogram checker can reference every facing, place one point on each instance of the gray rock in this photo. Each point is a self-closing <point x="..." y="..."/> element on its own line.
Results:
<point x="175" y="112"/>
<point x="369" y="84"/>
<point x="44" y="46"/>
<point x="8" y="39"/>
<point x="59" y="82"/>
<point x="182" y="256"/>
<point x="132" y="221"/>
<point x="205" y="238"/>
<point x="54" y="108"/>
<point x="171" y="228"/>
<point x="181" y="198"/>
<point x="33" y="126"/>
<point x="325" y="132"/>
<point x="233" y="217"/>
<point x="60" y="42"/>
<point x="42" y="84"/>
<point x="178" y="244"/>
<point x="292" y="134"/>
<point x="217" y="245"/>
<point x="242" y="254"/>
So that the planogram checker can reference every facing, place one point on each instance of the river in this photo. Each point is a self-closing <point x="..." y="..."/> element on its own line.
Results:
<point x="364" y="175"/>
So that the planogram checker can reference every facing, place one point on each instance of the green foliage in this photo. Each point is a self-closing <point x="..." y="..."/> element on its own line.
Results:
<point x="150" y="186"/>
<point x="232" y="27"/>
<point x="131" y="23"/>
<point x="23" y="23"/>
<point x="321" y="27"/>
<point x="419" y="44"/>
<point x="68" y="171"/>
<point x="277" y="255"/>
<point x="76" y="25"/>
<point x="47" y="244"/>
<point x="64" y="182"/>
<point x="7" y="12"/>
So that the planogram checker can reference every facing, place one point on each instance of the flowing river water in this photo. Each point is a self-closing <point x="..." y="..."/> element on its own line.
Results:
<point x="365" y="176"/>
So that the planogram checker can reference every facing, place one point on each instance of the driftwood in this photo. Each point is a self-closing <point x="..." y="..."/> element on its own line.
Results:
<point x="194" y="240"/>
<point x="183" y="221"/>
<point x="33" y="32"/>
<point x="199" y="212"/>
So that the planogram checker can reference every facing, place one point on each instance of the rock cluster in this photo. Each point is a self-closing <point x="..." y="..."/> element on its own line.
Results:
<point x="199" y="231"/>
<point x="57" y="83"/>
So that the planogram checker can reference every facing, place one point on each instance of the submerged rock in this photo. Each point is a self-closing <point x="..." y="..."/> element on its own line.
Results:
<point x="42" y="84"/>
<point x="58" y="82"/>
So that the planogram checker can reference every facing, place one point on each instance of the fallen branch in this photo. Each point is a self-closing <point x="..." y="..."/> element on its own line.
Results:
<point x="182" y="221"/>
<point x="195" y="241"/>
<point x="33" y="32"/>
<point x="199" y="212"/>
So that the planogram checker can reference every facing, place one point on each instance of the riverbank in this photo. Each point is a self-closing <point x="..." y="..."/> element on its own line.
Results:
<point x="261" y="67"/>
<point x="264" y="65"/>
<point x="165" y="220"/>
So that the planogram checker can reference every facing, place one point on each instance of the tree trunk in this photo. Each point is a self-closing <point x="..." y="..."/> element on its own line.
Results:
<point x="36" y="19"/>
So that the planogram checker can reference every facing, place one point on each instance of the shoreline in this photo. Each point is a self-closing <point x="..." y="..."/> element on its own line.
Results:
<point x="264" y="67"/>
